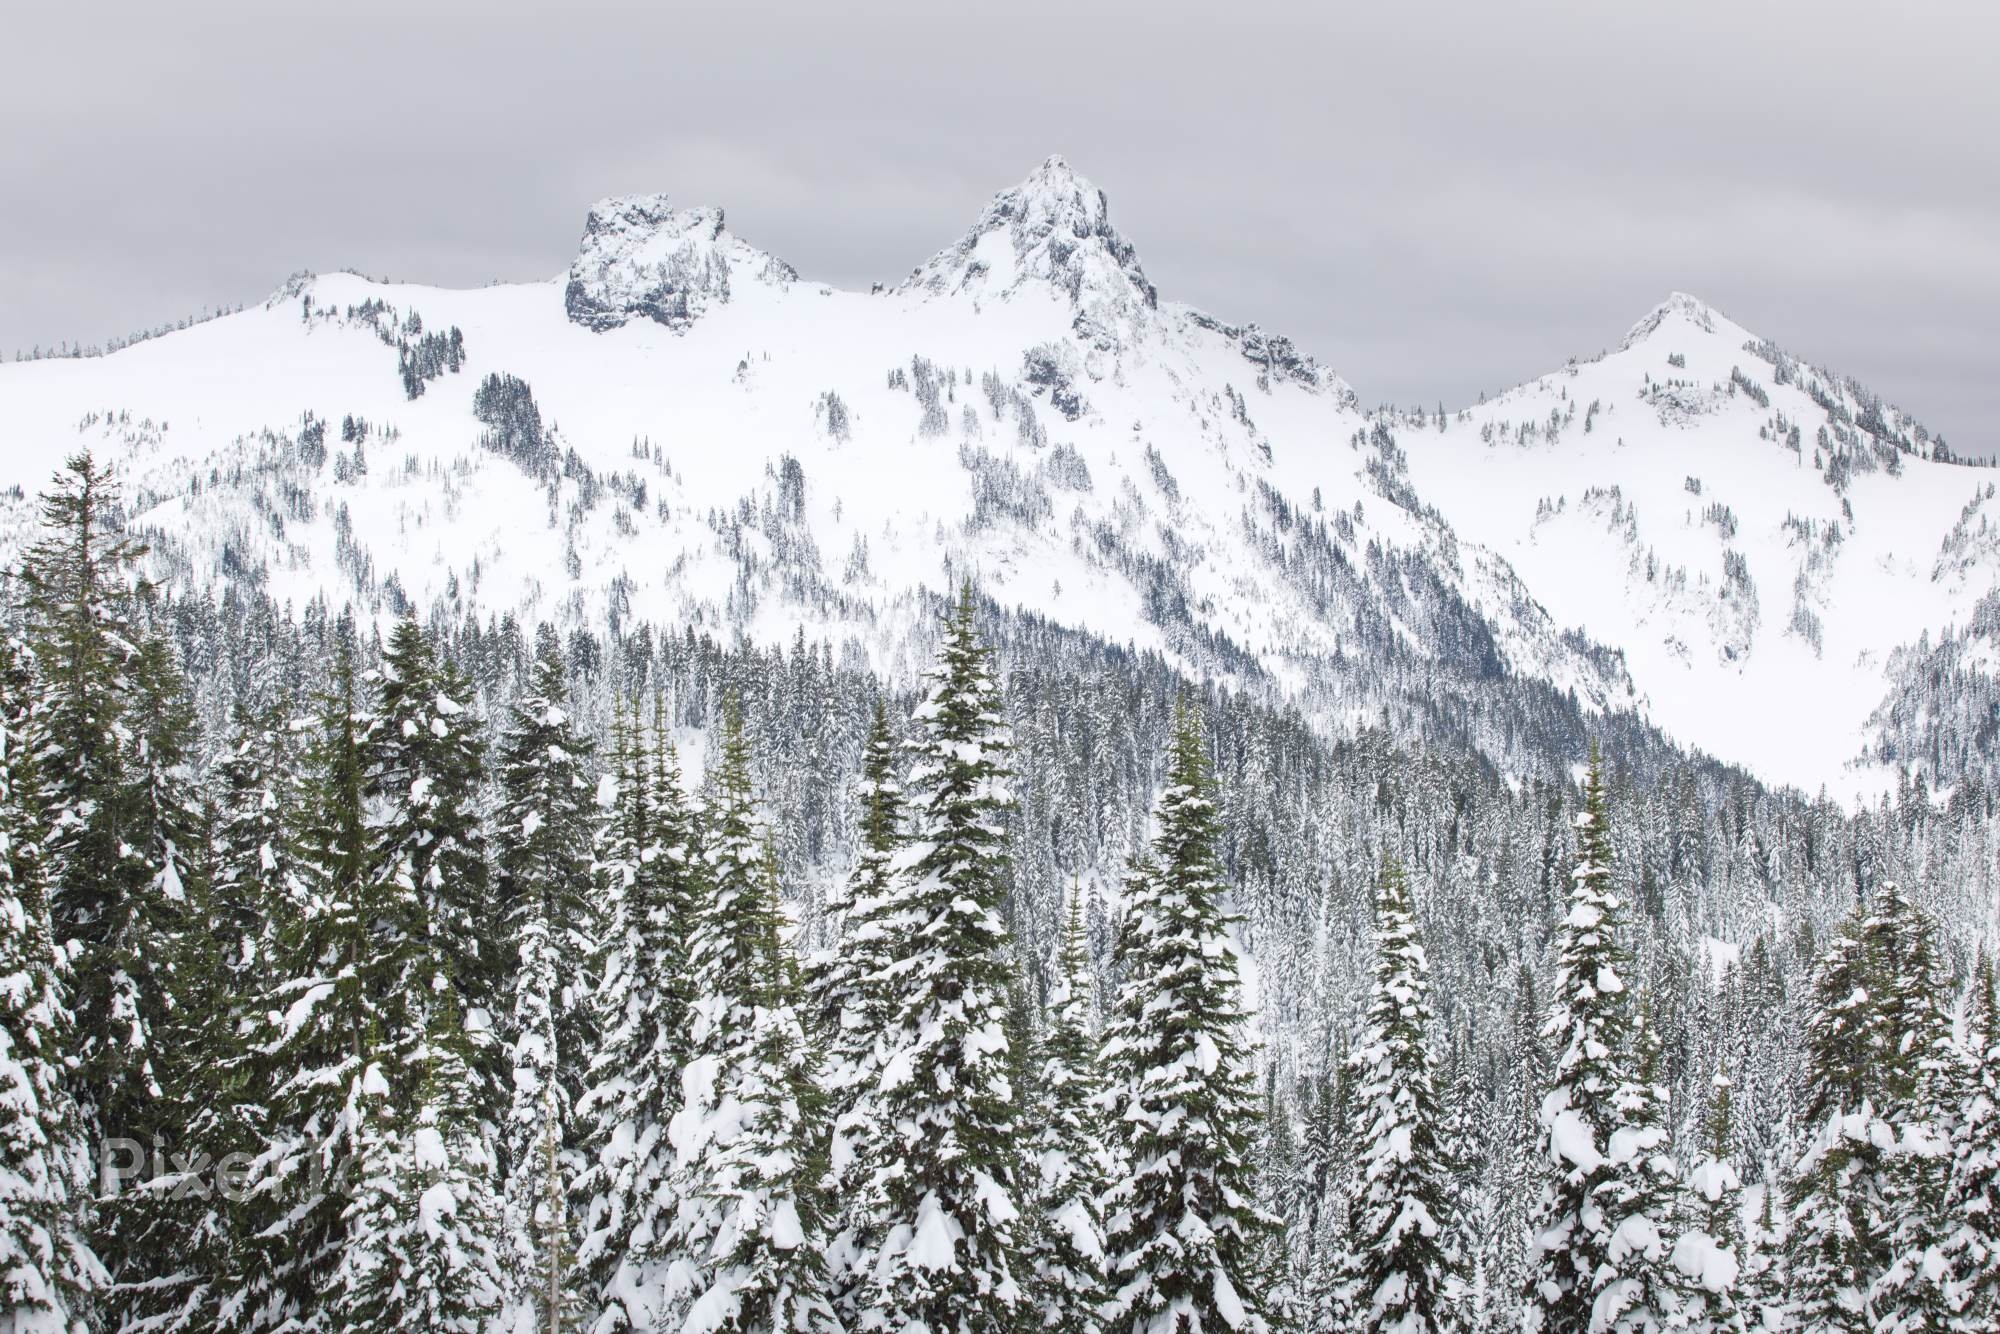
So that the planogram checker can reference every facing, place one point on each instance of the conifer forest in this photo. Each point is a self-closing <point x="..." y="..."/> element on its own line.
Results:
<point x="446" y="973"/>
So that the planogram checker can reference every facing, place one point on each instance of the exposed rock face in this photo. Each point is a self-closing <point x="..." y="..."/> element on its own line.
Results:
<point x="1277" y="358"/>
<point x="1052" y="230"/>
<point x="641" y="258"/>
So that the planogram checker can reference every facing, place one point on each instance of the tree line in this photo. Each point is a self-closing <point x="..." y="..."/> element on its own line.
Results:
<point x="395" y="1020"/>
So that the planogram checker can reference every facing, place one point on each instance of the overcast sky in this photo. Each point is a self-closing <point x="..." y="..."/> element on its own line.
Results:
<point x="1437" y="198"/>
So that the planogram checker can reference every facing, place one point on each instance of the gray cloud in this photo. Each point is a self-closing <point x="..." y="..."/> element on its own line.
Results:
<point x="1440" y="198"/>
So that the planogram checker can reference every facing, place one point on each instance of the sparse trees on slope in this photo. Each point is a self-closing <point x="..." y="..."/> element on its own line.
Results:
<point x="948" y="1257"/>
<point x="1402" y="1213"/>
<point x="1184" y="1233"/>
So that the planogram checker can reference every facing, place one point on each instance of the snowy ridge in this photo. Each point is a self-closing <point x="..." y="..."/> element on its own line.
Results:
<point x="1754" y="534"/>
<point x="682" y="431"/>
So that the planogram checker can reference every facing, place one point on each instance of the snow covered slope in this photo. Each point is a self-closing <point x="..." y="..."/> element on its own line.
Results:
<point x="681" y="429"/>
<point x="1756" y="535"/>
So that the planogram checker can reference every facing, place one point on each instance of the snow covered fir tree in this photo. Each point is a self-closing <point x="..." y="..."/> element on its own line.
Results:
<point x="376" y="966"/>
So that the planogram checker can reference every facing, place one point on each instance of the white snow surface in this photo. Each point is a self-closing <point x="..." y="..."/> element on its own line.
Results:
<point x="670" y="334"/>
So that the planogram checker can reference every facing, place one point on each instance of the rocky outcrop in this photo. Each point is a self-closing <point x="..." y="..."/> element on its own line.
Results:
<point x="641" y="258"/>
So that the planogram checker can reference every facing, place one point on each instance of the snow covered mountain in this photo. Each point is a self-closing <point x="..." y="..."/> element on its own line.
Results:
<point x="1695" y="530"/>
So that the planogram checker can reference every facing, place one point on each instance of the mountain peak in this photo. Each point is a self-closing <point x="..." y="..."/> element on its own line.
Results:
<point x="640" y="257"/>
<point x="1054" y="227"/>
<point x="1678" y="310"/>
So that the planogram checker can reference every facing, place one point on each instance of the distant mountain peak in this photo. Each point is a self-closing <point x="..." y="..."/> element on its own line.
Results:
<point x="642" y="258"/>
<point x="1055" y="228"/>
<point x="1679" y="310"/>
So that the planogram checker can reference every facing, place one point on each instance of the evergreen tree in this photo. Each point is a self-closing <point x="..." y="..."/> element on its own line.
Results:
<point x="1600" y="1258"/>
<point x="1069" y="1172"/>
<point x="1760" y="1283"/>
<point x="451" y="1254"/>
<point x="366" y="1288"/>
<point x="1184" y="1234"/>
<point x="1836" y="1245"/>
<point x="539" y="1170"/>
<point x="1970" y="1244"/>
<point x="648" y="871"/>
<point x="1711" y="1250"/>
<point x="214" y="1277"/>
<point x="431" y="889"/>
<point x="1924" y="1086"/>
<point x="948" y="1254"/>
<point x="1405" y="1179"/>
<point x="1643" y="1290"/>
<point x="50" y="1279"/>
<point x="544" y="833"/>
<point x="185" y="1261"/>
<point x="1332" y="1261"/>
<point x="749" y="1242"/>
<point x="109" y="738"/>
<point x="316" y="1038"/>
<point x="258" y="877"/>
<point x="853" y="1005"/>
<point x="1472" y="1234"/>
<point x="424" y="1254"/>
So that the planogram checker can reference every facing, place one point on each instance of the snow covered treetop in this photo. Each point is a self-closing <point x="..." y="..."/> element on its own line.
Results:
<point x="642" y="258"/>
<point x="1055" y="226"/>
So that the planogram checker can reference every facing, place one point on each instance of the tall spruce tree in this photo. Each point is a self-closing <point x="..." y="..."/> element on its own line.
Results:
<point x="1970" y="1245"/>
<point x="1711" y="1251"/>
<point x="1643" y="1291"/>
<point x="309" y="1033"/>
<point x="1069" y="1168"/>
<point x="1924" y="1087"/>
<point x="1185" y="1236"/>
<point x="544" y="836"/>
<point x="648" y="872"/>
<point x="116" y="870"/>
<point x="1403" y="1212"/>
<point x="424" y="1254"/>
<point x="1601" y="1256"/>
<point x="1331" y="1260"/>
<point x="1836" y="1245"/>
<point x="365" y="1287"/>
<point x="50" y="1278"/>
<point x="312" y="1036"/>
<point x="432" y="883"/>
<point x="453" y="1263"/>
<point x="948" y="1257"/>
<point x="749" y="1240"/>
<point x="848" y="982"/>
<point x="227" y="965"/>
